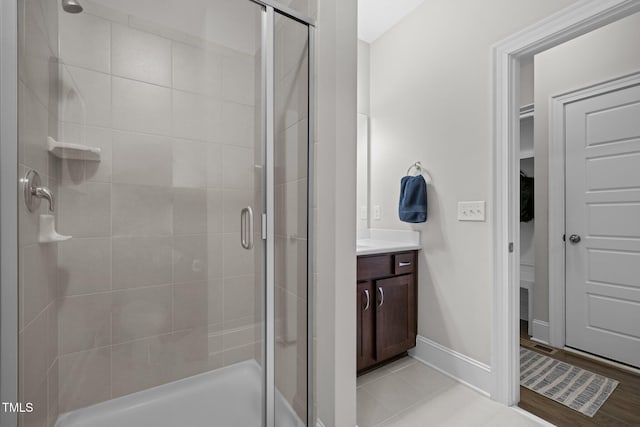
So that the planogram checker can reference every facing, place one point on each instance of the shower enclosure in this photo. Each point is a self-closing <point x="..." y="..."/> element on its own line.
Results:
<point x="165" y="277"/>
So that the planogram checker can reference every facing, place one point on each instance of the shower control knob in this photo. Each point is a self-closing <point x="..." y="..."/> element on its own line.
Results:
<point x="574" y="238"/>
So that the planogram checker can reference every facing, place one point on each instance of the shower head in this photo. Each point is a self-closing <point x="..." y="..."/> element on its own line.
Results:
<point x="71" y="6"/>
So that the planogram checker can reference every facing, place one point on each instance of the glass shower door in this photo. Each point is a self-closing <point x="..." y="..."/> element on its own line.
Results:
<point x="171" y="141"/>
<point x="163" y="277"/>
<point x="291" y="188"/>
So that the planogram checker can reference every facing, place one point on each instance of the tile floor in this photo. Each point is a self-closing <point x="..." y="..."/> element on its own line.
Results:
<point x="407" y="393"/>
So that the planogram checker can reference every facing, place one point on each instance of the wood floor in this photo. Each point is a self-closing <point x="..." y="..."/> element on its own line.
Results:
<point x="621" y="409"/>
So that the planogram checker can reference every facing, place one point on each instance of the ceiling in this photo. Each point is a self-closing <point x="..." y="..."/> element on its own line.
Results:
<point x="376" y="17"/>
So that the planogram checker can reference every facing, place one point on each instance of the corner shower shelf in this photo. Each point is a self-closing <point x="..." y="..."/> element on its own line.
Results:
<point x="71" y="151"/>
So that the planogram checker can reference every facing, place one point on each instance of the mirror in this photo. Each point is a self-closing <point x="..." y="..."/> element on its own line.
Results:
<point x="362" y="189"/>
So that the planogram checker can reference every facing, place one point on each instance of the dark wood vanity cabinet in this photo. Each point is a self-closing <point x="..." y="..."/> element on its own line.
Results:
<point x="366" y="325"/>
<point x="386" y="306"/>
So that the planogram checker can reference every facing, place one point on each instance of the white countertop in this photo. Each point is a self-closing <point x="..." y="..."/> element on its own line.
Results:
<point x="369" y="246"/>
<point x="377" y="241"/>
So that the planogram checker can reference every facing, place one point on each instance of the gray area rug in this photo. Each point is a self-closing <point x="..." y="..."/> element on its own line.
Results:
<point x="569" y="385"/>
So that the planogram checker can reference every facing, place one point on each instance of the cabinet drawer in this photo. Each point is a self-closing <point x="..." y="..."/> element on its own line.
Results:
<point x="372" y="267"/>
<point x="404" y="263"/>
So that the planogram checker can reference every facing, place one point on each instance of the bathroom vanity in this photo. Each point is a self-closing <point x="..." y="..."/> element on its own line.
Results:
<point x="386" y="307"/>
<point x="386" y="300"/>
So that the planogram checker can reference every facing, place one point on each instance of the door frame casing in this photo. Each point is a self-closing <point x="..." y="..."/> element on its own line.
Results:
<point x="557" y="212"/>
<point x="573" y="21"/>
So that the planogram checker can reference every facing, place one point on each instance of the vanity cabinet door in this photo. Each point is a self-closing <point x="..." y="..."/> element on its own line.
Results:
<point x="395" y="315"/>
<point x="365" y="309"/>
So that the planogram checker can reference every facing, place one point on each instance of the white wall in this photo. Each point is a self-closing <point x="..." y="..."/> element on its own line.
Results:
<point x="430" y="101"/>
<point x="335" y="267"/>
<point x="526" y="81"/>
<point x="363" y="77"/>
<point x="609" y="52"/>
<point x="362" y="167"/>
<point x="527" y="258"/>
<point x="363" y="135"/>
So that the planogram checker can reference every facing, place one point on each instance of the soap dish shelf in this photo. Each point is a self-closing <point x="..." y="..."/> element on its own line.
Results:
<point x="48" y="233"/>
<point x="71" y="151"/>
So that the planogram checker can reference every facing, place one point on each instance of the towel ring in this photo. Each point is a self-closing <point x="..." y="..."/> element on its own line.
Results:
<point x="417" y="166"/>
<point x="421" y="171"/>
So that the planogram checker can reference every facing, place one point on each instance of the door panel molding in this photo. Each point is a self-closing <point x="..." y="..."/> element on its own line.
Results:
<point x="557" y="194"/>
<point x="395" y="322"/>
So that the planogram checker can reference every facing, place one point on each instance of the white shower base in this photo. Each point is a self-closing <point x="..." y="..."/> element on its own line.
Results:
<point x="226" y="397"/>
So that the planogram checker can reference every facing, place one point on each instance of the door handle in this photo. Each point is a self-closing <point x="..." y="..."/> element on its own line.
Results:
<point x="246" y="228"/>
<point x="366" y="293"/>
<point x="574" y="238"/>
<point x="381" y="296"/>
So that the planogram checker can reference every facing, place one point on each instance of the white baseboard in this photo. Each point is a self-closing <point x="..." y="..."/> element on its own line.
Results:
<point x="540" y="331"/>
<point x="458" y="366"/>
<point x="533" y="417"/>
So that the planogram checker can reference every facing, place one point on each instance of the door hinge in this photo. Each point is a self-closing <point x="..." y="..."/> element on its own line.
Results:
<point x="264" y="226"/>
<point x="510" y="247"/>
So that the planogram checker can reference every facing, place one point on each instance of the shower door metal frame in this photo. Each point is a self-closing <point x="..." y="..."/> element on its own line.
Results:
<point x="269" y="339"/>
<point x="8" y="208"/>
<point x="311" y="173"/>
<point x="287" y="11"/>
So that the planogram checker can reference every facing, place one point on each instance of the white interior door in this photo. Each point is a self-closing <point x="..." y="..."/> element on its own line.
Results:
<point x="603" y="225"/>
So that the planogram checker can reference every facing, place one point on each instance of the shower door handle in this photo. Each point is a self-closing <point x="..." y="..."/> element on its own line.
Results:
<point x="246" y="228"/>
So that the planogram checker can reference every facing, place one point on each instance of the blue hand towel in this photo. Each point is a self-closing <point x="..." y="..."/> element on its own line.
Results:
<point x="413" y="199"/>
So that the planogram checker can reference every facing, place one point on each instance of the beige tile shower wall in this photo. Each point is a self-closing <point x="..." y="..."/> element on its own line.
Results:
<point x="304" y="7"/>
<point x="154" y="286"/>
<point x="291" y="177"/>
<point x="37" y="102"/>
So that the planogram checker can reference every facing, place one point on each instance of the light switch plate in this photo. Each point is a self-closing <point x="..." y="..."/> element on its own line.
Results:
<point x="363" y="212"/>
<point x="471" y="211"/>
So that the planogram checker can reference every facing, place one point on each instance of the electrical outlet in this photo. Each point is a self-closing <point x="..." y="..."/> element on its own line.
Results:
<point x="471" y="211"/>
<point x="377" y="212"/>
